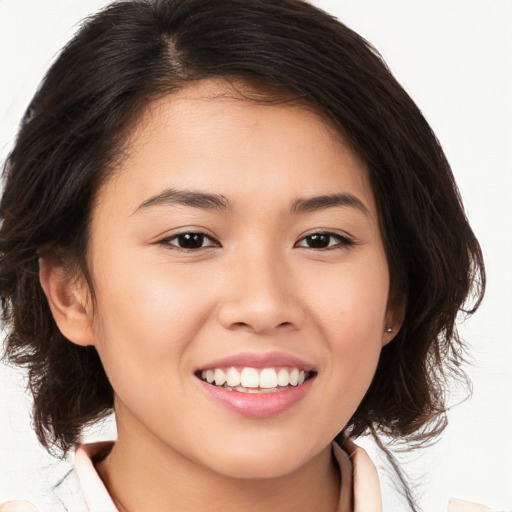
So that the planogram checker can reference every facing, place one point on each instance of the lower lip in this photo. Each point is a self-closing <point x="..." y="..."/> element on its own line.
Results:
<point x="257" y="405"/>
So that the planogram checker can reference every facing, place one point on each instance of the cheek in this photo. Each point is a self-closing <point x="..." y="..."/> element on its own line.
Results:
<point x="350" y="301"/>
<point x="350" y="310"/>
<point x="354" y="340"/>
<point x="147" y="315"/>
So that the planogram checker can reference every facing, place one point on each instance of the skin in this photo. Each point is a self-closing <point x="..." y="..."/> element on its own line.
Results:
<point x="256" y="285"/>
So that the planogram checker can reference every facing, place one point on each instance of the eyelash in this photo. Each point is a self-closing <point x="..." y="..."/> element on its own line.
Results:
<point x="343" y="241"/>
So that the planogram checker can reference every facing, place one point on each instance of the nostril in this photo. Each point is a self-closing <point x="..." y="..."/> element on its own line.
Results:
<point x="260" y="317"/>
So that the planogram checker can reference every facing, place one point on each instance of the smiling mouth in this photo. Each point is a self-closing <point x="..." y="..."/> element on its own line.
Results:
<point x="255" y="380"/>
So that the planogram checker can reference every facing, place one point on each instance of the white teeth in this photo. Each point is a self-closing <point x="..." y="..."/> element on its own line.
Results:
<point x="253" y="380"/>
<point x="232" y="378"/>
<point x="220" y="377"/>
<point x="283" y="377"/>
<point x="250" y="378"/>
<point x="294" y="377"/>
<point x="268" y="378"/>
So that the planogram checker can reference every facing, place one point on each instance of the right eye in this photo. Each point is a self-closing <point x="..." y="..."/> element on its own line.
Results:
<point x="190" y="241"/>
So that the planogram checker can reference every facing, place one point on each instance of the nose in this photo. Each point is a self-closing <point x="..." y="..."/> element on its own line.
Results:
<point x="260" y="296"/>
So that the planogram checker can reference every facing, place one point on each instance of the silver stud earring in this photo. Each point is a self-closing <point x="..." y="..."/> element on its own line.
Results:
<point x="389" y="330"/>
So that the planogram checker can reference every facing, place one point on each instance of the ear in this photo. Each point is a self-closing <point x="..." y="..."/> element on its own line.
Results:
<point x="69" y="301"/>
<point x="393" y="321"/>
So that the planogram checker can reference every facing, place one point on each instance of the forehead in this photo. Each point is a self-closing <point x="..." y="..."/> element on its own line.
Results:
<point x="222" y="134"/>
<point x="236" y="96"/>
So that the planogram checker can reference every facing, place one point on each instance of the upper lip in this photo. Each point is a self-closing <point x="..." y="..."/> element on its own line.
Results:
<point x="259" y="360"/>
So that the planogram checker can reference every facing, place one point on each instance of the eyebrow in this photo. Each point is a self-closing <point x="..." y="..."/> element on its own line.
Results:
<point x="219" y="202"/>
<point x="187" y="198"/>
<point x="303" y="205"/>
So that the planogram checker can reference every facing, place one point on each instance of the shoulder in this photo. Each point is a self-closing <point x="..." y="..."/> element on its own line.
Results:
<point x="17" y="506"/>
<point x="80" y="490"/>
<point x="467" y="506"/>
<point x="358" y="471"/>
<point x="66" y="496"/>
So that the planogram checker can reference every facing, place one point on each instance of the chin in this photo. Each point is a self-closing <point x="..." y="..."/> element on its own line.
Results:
<point x="256" y="461"/>
<point x="258" y="468"/>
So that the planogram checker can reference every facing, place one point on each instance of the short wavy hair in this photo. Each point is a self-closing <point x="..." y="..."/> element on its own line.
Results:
<point x="133" y="52"/>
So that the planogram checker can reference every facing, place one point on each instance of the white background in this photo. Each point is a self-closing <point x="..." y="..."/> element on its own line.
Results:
<point x="455" y="59"/>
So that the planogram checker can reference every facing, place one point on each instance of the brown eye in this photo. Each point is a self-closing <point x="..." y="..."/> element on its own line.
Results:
<point x="190" y="241"/>
<point x="323" y="241"/>
<point x="319" y="241"/>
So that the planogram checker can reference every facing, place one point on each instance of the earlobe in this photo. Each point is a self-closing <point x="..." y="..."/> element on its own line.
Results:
<point x="68" y="300"/>
<point x="388" y="335"/>
<point x="393" y="323"/>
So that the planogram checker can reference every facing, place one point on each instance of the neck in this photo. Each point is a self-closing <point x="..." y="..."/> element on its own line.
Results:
<point x="142" y="475"/>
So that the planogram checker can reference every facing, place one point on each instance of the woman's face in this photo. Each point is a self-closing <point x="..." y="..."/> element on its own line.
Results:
<point x="237" y="241"/>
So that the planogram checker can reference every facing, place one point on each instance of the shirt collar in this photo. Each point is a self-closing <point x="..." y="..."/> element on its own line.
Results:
<point x="360" y="489"/>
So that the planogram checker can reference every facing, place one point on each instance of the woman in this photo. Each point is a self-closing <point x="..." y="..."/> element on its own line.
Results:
<point x="237" y="230"/>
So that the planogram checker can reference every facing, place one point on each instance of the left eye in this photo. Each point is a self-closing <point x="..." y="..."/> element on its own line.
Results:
<point x="323" y="241"/>
<point x="190" y="241"/>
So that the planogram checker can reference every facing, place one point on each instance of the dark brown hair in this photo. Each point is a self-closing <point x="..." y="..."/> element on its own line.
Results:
<point x="134" y="51"/>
